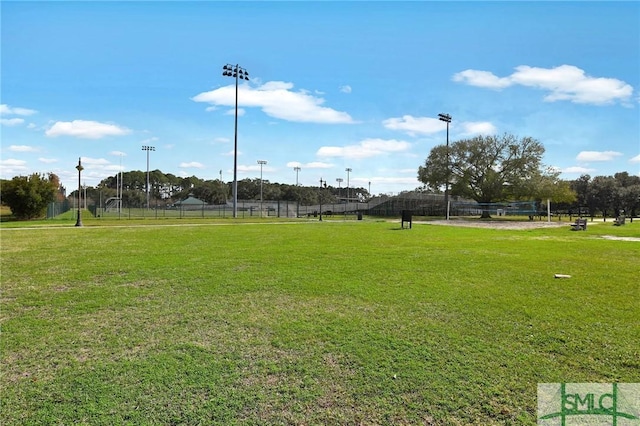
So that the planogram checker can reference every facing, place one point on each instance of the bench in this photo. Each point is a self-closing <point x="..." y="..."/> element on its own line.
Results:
<point x="619" y="221"/>
<point x="579" y="225"/>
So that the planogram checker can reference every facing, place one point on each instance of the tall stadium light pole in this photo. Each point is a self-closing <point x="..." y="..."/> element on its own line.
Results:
<point x="79" y="168"/>
<point x="297" y="170"/>
<point x="447" y="119"/>
<point x="339" y="180"/>
<point x="262" y="163"/>
<point x="239" y="73"/>
<point x="148" y="149"/>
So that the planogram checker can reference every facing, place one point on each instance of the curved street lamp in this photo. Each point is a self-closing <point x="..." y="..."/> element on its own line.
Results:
<point x="322" y="182"/>
<point x="79" y="168"/>
<point x="239" y="73"/>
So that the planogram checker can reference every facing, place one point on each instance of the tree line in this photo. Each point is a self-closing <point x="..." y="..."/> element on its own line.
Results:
<point x="167" y="189"/>
<point x="486" y="169"/>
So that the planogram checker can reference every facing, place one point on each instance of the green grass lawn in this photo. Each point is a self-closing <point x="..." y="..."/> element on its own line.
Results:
<point x="339" y="322"/>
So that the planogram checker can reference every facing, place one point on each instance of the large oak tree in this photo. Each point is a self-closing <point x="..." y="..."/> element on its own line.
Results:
<point x="485" y="168"/>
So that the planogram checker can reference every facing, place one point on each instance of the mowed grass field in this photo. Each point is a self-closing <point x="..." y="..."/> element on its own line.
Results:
<point x="332" y="323"/>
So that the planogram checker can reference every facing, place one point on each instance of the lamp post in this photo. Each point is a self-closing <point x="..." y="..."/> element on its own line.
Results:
<point x="447" y="119"/>
<point x="339" y="180"/>
<point x="297" y="170"/>
<point x="322" y="182"/>
<point x="238" y="73"/>
<point x="348" y="170"/>
<point x="79" y="168"/>
<point x="148" y="148"/>
<point x="262" y="163"/>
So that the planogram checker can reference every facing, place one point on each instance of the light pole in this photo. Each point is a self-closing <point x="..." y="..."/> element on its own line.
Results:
<point x="447" y="119"/>
<point x="297" y="170"/>
<point x="148" y="148"/>
<point x="348" y="170"/>
<point x="238" y="73"/>
<point x="262" y="163"/>
<point x="79" y="168"/>
<point x="322" y="182"/>
<point x="339" y="180"/>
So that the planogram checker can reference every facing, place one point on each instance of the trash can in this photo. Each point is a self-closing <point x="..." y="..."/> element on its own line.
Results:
<point x="359" y="215"/>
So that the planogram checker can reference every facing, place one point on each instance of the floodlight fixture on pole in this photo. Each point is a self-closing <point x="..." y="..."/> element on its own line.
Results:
<point x="297" y="170"/>
<point x="262" y="163"/>
<point x="148" y="149"/>
<point x="322" y="182"/>
<point x="79" y="168"/>
<point x="447" y="119"/>
<point x="239" y="73"/>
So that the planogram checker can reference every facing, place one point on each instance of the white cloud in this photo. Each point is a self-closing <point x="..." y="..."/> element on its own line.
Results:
<point x="478" y="127"/>
<point x="31" y="126"/>
<point x="565" y="83"/>
<point x="589" y="156"/>
<point x="635" y="159"/>
<point x="241" y="112"/>
<point x="47" y="160"/>
<point x="230" y="153"/>
<point x="94" y="161"/>
<point x="392" y="180"/>
<point x="255" y="168"/>
<point x="276" y="99"/>
<point x="414" y="125"/>
<point x="482" y="79"/>
<point x="22" y="148"/>
<point x="222" y="140"/>
<point x="345" y="89"/>
<point x="118" y="153"/>
<point x="149" y="140"/>
<point x="578" y="170"/>
<point x="192" y="165"/>
<point x="7" y="110"/>
<point x="11" y="121"/>
<point x="366" y="148"/>
<point x="85" y="129"/>
<point x="11" y="167"/>
<point x="311" y="165"/>
<point x="10" y="162"/>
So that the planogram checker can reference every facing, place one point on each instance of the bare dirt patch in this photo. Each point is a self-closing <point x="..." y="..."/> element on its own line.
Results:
<point x="613" y="237"/>
<point x="495" y="224"/>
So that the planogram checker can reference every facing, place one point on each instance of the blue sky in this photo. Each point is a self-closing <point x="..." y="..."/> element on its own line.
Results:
<point x="333" y="85"/>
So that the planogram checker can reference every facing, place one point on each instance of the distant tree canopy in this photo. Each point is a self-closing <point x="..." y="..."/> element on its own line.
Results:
<point x="169" y="187"/>
<point x="609" y="195"/>
<point x="29" y="196"/>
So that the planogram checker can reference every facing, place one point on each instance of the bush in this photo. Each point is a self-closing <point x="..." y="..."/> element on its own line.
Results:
<point x="28" y="196"/>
